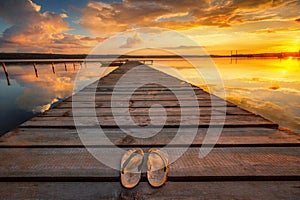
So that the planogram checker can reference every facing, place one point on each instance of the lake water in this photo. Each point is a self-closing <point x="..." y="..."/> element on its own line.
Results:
<point x="29" y="95"/>
<point x="269" y="87"/>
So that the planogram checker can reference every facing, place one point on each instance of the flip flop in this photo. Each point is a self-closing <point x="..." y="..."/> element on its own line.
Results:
<point x="131" y="165"/>
<point x="158" y="169"/>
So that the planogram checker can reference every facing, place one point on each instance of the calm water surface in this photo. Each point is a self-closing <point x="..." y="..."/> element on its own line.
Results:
<point x="29" y="95"/>
<point x="269" y="87"/>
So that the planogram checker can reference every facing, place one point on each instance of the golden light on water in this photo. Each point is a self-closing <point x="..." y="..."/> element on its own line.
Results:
<point x="265" y="86"/>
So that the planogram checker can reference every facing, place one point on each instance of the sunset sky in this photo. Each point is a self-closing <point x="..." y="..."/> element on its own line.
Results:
<point x="72" y="26"/>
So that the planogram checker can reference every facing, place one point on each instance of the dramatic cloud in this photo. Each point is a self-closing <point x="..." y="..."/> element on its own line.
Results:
<point x="33" y="31"/>
<point x="103" y="18"/>
<point x="132" y="41"/>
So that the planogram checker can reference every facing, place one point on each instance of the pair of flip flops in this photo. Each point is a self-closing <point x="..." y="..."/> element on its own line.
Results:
<point x="131" y="167"/>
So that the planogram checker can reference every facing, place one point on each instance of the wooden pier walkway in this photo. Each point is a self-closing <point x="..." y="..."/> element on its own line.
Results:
<point x="44" y="158"/>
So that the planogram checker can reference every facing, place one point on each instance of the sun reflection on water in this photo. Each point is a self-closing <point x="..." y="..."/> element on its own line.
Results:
<point x="266" y="86"/>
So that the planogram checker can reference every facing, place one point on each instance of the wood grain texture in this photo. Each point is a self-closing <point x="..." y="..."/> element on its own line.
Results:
<point x="268" y="190"/>
<point x="231" y="137"/>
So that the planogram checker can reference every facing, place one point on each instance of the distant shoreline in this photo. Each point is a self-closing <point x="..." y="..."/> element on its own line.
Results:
<point x="11" y="56"/>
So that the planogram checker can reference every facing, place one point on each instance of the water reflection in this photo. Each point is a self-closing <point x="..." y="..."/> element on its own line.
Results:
<point x="33" y="88"/>
<point x="269" y="87"/>
<point x="6" y="73"/>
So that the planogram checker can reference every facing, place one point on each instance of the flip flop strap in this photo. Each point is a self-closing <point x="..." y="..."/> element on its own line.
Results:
<point x="128" y="160"/>
<point x="165" y="167"/>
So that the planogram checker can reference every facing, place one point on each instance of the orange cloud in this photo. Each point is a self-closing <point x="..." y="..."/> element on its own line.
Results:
<point x="103" y="18"/>
<point x="275" y="30"/>
<point x="32" y="31"/>
<point x="132" y="41"/>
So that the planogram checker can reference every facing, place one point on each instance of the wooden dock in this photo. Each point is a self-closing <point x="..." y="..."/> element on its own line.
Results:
<point x="44" y="158"/>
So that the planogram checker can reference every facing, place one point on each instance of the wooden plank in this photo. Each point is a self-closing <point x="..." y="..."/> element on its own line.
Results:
<point x="165" y="82"/>
<point x="181" y="86"/>
<point x="138" y="92"/>
<point x="140" y="74"/>
<point x="162" y="80"/>
<point x="264" y="163"/>
<point x="69" y="137"/>
<point x="84" y="112"/>
<point x="136" y="82"/>
<point x="142" y="91"/>
<point x="185" y="97"/>
<point x="144" y="104"/>
<point x="268" y="190"/>
<point x="125" y="88"/>
<point x="204" y="121"/>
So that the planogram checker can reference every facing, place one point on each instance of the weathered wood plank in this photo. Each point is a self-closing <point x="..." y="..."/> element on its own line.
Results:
<point x="269" y="163"/>
<point x="144" y="104"/>
<point x="268" y="190"/>
<point x="140" y="75"/>
<point x="204" y="121"/>
<point x="141" y="91"/>
<point x="148" y="97"/>
<point x="104" y="92"/>
<point x="100" y="87"/>
<point x="69" y="137"/>
<point x="135" y="83"/>
<point x="84" y="112"/>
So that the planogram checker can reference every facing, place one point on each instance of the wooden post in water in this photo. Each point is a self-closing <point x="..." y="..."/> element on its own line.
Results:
<point x="35" y="70"/>
<point x="74" y="66"/>
<point x="66" y="67"/>
<point x="53" y="68"/>
<point x="6" y="73"/>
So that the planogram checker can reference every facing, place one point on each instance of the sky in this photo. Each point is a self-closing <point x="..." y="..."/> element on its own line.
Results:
<point x="218" y="26"/>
